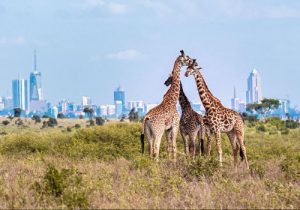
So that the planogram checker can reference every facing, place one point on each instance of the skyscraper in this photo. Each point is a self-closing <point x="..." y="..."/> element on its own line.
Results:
<point x="36" y="93"/>
<point x="86" y="101"/>
<point x="254" y="93"/>
<point x="20" y="94"/>
<point x="119" y="95"/>
<point x="237" y="104"/>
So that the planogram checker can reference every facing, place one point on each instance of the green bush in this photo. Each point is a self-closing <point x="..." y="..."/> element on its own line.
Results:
<point x="202" y="167"/>
<point x="65" y="185"/>
<point x="5" y="122"/>
<point x="261" y="128"/>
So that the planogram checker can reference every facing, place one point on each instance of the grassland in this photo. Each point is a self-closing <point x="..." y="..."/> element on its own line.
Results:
<point x="101" y="167"/>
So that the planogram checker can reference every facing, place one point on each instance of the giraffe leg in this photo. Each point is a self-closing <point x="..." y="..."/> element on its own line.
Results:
<point x="149" y="137"/>
<point x="174" y="136"/>
<point x="208" y="136"/>
<point x="156" y="145"/>
<point x="232" y="137"/>
<point x="192" y="137"/>
<point x="186" y="147"/>
<point x="169" y="139"/>
<point x="240" y="137"/>
<point x="219" y="147"/>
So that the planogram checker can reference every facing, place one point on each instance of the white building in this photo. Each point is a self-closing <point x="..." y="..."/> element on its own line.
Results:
<point x="138" y="105"/>
<point x="86" y="101"/>
<point x="237" y="104"/>
<point x="2" y="104"/>
<point x="254" y="91"/>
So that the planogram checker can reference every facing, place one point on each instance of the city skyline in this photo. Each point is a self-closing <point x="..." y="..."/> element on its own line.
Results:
<point x="88" y="47"/>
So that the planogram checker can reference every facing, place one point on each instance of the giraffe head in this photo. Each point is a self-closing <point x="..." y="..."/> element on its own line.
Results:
<point x="184" y="59"/>
<point x="169" y="80"/>
<point x="192" y="69"/>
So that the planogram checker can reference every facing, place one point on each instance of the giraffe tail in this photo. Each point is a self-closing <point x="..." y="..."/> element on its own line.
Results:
<point x="202" y="146"/>
<point x="142" y="143"/>
<point x="242" y="154"/>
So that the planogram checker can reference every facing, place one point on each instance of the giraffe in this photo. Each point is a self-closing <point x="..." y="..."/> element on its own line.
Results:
<point x="164" y="117"/>
<point x="191" y="124"/>
<point x="219" y="118"/>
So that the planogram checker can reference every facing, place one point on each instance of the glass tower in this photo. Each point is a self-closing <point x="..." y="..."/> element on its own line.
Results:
<point x="254" y="93"/>
<point x="119" y="95"/>
<point x="35" y="87"/>
<point x="20" y="94"/>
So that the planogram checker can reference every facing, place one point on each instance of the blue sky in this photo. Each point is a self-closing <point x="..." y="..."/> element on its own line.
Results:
<point x="89" y="47"/>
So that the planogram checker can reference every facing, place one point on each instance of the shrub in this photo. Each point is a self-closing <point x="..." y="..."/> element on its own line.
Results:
<point x="36" y="118"/>
<point x="203" y="167"/>
<point x="77" y="126"/>
<point x="65" y="185"/>
<point x="100" y="121"/>
<point x="261" y="128"/>
<point x="5" y="122"/>
<point x="81" y="116"/>
<point x="291" y="124"/>
<point x="52" y="122"/>
<point x="61" y="116"/>
<point x="45" y="116"/>
<point x="69" y="129"/>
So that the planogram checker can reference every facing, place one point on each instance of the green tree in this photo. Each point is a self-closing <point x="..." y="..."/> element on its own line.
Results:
<point x="61" y="116"/>
<point x="133" y="116"/>
<point x="89" y="112"/>
<point x="100" y="121"/>
<point x="17" y="112"/>
<point x="265" y="106"/>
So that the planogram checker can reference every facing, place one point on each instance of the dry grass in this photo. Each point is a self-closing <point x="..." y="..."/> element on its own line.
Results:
<point x="103" y="172"/>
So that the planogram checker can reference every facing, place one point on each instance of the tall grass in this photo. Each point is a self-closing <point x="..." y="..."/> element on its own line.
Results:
<point x="101" y="167"/>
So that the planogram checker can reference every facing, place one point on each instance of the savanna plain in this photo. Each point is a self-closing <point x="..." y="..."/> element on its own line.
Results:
<point x="74" y="165"/>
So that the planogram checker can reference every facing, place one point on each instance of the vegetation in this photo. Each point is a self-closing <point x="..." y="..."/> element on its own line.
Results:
<point x="133" y="116"/>
<point x="17" y="112"/>
<point x="265" y="106"/>
<point x="101" y="167"/>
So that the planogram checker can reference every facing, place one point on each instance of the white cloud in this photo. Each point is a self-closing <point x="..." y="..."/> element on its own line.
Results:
<point x="95" y="3"/>
<point x="129" y="54"/>
<point x="116" y="8"/>
<point x="161" y="9"/>
<point x="246" y="9"/>
<point x="19" y="40"/>
<point x="111" y="7"/>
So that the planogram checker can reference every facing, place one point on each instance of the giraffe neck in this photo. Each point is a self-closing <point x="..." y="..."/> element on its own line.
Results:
<point x="183" y="100"/>
<point x="173" y="93"/>
<point x="208" y="100"/>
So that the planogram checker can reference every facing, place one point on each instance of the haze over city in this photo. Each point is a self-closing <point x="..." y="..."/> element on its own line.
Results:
<point x="89" y="47"/>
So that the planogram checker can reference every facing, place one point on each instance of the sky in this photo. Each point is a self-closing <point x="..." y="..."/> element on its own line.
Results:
<point x="90" y="47"/>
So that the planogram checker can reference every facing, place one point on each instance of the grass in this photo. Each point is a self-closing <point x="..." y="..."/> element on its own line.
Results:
<point x="101" y="167"/>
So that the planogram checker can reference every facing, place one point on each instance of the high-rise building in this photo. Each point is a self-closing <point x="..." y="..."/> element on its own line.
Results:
<point x="119" y="95"/>
<point x="35" y="87"/>
<point x="2" y="105"/>
<point x="8" y="103"/>
<point x="119" y="108"/>
<point x="237" y="104"/>
<point x="20" y="94"/>
<point x="86" y="101"/>
<point x="254" y="92"/>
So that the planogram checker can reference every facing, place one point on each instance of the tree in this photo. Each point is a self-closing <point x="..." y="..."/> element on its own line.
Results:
<point x="61" y="116"/>
<point x="100" y="121"/>
<point x="123" y="117"/>
<point x="133" y="116"/>
<point x="17" y="112"/>
<point x="265" y="106"/>
<point x="89" y="112"/>
<point x="36" y="118"/>
<point x="5" y="122"/>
